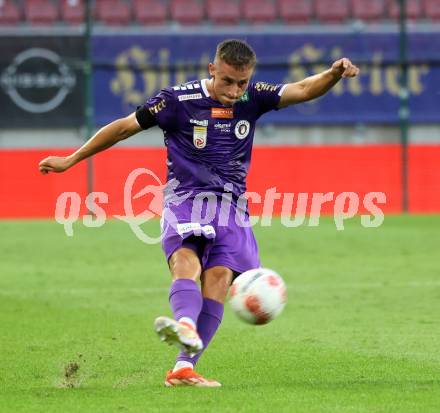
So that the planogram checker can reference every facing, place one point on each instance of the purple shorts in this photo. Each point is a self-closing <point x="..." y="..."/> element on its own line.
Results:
<point x="220" y="234"/>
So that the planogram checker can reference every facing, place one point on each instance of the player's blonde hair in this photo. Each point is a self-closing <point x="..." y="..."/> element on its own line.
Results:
<point x="236" y="53"/>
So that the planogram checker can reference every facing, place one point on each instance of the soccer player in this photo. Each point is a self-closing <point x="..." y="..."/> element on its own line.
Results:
<point x="208" y="128"/>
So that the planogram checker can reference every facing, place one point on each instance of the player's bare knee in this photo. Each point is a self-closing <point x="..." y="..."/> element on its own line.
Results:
<point x="217" y="278"/>
<point x="184" y="263"/>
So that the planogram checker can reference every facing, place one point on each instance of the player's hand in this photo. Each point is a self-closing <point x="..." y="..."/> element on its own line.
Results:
<point x="344" y="68"/>
<point x="54" y="164"/>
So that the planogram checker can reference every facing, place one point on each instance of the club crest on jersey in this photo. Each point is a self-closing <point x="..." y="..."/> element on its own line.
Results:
<point x="222" y="113"/>
<point x="242" y="129"/>
<point x="200" y="136"/>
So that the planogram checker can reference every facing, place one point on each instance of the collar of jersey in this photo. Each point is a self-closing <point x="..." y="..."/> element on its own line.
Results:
<point x="205" y="88"/>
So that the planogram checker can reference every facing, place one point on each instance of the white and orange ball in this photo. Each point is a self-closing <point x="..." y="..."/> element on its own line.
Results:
<point x="258" y="296"/>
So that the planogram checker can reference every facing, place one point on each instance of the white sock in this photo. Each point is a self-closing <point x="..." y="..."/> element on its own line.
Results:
<point x="181" y="364"/>
<point x="188" y="321"/>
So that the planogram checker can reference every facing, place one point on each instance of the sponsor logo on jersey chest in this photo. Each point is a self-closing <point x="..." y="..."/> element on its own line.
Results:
<point x="242" y="129"/>
<point x="200" y="136"/>
<point x="222" y="113"/>
<point x="223" y="127"/>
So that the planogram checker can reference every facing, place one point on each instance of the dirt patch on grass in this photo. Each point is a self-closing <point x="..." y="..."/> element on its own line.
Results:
<point x="71" y="376"/>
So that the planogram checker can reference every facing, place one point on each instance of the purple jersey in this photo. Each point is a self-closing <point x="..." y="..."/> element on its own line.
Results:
<point x="209" y="145"/>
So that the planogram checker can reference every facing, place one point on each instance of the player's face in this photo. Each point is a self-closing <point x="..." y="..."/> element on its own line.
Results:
<point x="228" y="83"/>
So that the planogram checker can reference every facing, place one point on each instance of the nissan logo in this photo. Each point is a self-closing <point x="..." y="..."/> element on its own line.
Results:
<point x="37" y="80"/>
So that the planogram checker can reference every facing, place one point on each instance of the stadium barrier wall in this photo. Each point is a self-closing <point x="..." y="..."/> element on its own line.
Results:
<point x="25" y="193"/>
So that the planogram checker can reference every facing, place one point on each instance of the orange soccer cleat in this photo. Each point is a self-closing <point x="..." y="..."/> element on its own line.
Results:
<point x="188" y="377"/>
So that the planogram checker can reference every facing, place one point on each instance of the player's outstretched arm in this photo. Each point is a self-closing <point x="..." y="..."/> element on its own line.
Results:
<point x="107" y="136"/>
<point x="317" y="85"/>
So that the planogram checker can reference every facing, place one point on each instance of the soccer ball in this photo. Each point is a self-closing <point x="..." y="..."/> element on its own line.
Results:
<point x="258" y="296"/>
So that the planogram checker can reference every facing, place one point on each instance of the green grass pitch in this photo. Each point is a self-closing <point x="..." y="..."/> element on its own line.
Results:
<point x="360" y="332"/>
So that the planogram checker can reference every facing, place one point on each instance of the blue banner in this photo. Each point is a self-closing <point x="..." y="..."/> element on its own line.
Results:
<point x="130" y="68"/>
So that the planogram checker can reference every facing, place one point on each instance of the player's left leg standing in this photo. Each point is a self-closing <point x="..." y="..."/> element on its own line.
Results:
<point x="185" y="301"/>
<point x="215" y="285"/>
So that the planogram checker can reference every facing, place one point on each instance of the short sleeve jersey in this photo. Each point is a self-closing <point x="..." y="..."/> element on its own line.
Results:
<point x="209" y="145"/>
